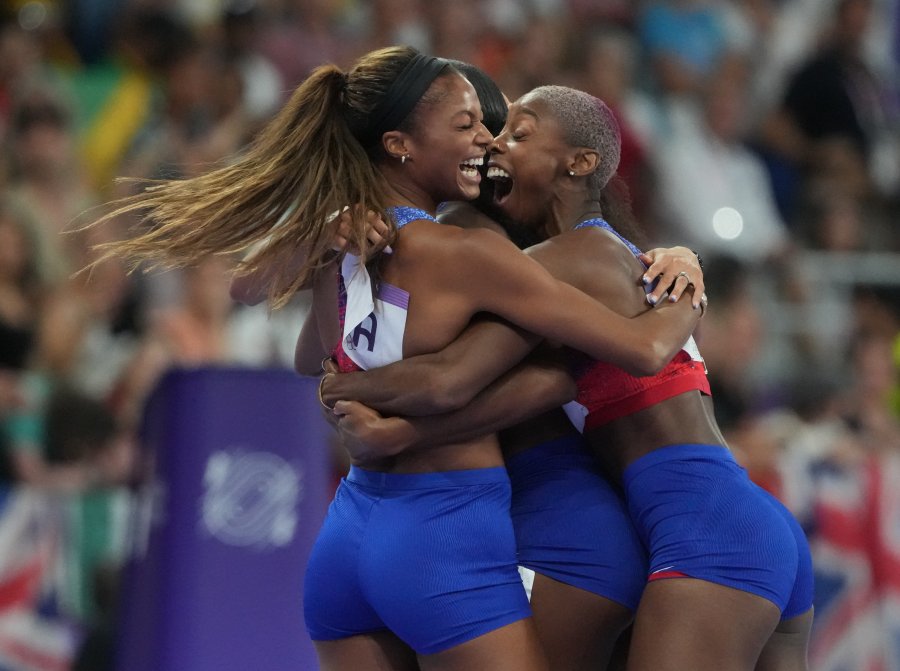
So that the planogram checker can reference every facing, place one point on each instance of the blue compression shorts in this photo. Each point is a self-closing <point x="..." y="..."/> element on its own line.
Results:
<point x="571" y="525"/>
<point x="430" y="556"/>
<point x="702" y="517"/>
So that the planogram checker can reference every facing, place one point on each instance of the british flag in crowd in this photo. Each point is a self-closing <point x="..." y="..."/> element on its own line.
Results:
<point x="851" y="512"/>
<point x="31" y="639"/>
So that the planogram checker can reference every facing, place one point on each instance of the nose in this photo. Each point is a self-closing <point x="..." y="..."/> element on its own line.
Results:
<point x="483" y="137"/>
<point x="497" y="146"/>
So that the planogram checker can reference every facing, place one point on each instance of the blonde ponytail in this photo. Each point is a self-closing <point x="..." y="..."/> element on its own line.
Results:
<point x="304" y="165"/>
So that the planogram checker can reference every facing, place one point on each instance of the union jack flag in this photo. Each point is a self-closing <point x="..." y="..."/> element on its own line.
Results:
<point x="31" y="639"/>
<point x="851" y="512"/>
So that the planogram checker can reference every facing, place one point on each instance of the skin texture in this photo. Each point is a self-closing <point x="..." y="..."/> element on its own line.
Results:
<point x="681" y="623"/>
<point x="489" y="275"/>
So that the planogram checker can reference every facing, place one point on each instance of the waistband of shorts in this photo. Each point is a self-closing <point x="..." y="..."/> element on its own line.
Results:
<point x="430" y="480"/>
<point x="681" y="452"/>
<point x="572" y="445"/>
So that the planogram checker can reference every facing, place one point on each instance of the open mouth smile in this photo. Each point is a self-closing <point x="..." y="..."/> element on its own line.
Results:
<point x="503" y="183"/>
<point x="469" y="168"/>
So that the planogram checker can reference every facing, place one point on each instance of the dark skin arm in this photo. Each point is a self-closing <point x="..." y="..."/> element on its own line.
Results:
<point x="449" y="379"/>
<point x="519" y="394"/>
<point x="435" y="383"/>
<point x="502" y="405"/>
<point x="321" y="326"/>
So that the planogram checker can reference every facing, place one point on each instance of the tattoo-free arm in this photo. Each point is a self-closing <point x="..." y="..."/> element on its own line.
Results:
<point x="321" y="330"/>
<point x="439" y="382"/>
<point x="527" y="390"/>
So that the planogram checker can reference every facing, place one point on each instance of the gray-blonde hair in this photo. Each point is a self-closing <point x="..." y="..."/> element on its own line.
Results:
<point x="586" y="121"/>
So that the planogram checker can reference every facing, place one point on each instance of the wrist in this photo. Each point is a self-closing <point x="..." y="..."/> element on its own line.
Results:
<point x="699" y="258"/>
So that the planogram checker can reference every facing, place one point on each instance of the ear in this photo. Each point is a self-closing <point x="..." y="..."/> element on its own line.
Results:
<point x="395" y="143"/>
<point x="584" y="161"/>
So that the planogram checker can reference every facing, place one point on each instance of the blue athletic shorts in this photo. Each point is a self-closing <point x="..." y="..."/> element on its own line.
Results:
<point x="431" y="557"/>
<point x="702" y="517"/>
<point x="571" y="525"/>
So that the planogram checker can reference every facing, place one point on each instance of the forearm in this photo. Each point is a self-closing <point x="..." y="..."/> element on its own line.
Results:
<point x="440" y="382"/>
<point x="321" y="329"/>
<point x="666" y="328"/>
<point x="526" y="391"/>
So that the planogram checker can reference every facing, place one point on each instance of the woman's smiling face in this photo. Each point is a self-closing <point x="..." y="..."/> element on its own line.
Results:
<point x="449" y="141"/>
<point x="527" y="158"/>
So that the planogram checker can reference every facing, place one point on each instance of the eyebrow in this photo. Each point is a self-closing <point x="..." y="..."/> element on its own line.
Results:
<point x="468" y="113"/>
<point x="530" y="112"/>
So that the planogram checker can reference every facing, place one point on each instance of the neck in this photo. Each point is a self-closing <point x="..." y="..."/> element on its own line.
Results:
<point x="402" y="191"/>
<point x="567" y="212"/>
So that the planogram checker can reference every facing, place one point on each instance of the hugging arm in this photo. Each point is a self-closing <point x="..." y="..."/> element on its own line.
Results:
<point x="447" y="380"/>
<point x="501" y="280"/>
<point x="440" y="382"/>
<point x="321" y="330"/>
<point x="529" y="389"/>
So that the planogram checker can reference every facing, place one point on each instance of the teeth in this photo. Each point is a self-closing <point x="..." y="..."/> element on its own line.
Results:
<point x="474" y="161"/>
<point x="497" y="173"/>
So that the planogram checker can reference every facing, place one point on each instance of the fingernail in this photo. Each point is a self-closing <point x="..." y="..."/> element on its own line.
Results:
<point x="673" y="298"/>
<point x="651" y="299"/>
<point x="645" y="279"/>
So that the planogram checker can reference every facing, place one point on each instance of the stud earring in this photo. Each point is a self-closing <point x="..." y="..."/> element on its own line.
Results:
<point x="571" y="173"/>
<point x="403" y="158"/>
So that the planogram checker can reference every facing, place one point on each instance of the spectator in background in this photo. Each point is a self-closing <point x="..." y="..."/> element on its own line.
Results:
<point x="261" y="85"/>
<point x="298" y="36"/>
<point x="834" y="105"/>
<point x="684" y="42"/>
<point x="866" y="403"/>
<point x="89" y="325"/>
<point x="731" y="338"/>
<point x="115" y="96"/>
<point x="66" y="443"/>
<point x="21" y="290"/>
<point x="21" y="59"/>
<point x="610" y="74"/>
<point x="714" y="192"/>
<point x="836" y="221"/>
<point x="200" y="118"/>
<point x="199" y="331"/>
<point x="46" y="180"/>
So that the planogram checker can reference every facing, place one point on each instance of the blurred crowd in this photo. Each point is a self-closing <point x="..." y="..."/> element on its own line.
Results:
<point x="763" y="133"/>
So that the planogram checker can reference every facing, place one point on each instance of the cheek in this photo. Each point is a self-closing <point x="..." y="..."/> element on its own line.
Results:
<point x="534" y="173"/>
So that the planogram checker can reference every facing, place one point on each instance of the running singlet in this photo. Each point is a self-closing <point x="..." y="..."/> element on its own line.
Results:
<point x="372" y="324"/>
<point x="606" y="392"/>
<point x="430" y="556"/>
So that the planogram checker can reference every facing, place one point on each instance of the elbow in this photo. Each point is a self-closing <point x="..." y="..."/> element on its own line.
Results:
<point x="649" y="360"/>
<point x="560" y="389"/>
<point x="440" y="395"/>
<point x="568" y="389"/>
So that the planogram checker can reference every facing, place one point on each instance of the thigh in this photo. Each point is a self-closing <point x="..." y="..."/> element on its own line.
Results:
<point x="514" y="647"/>
<point x="684" y="623"/>
<point x="577" y="629"/>
<point x="378" y="651"/>
<point x="788" y="646"/>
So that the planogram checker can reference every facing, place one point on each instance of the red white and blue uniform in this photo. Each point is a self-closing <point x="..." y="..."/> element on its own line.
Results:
<point x="694" y="507"/>
<point x="428" y="556"/>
